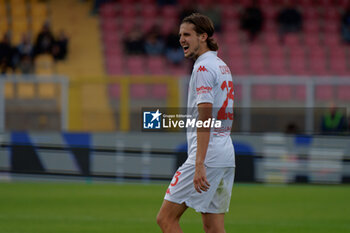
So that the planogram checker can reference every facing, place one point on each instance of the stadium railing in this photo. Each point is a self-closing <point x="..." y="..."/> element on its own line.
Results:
<point x="28" y="101"/>
<point x="126" y="95"/>
<point x="307" y="92"/>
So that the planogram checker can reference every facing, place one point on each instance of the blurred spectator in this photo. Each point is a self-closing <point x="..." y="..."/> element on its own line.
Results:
<point x="60" y="48"/>
<point x="333" y="121"/>
<point x="25" y="55"/>
<point x="166" y="2"/>
<point x="291" y="128"/>
<point x="345" y="26"/>
<point x="252" y="20"/>
<point x="6" y="54"/>
<point x="212" y="10"/>
<point x="173" y="50"/>
<point x="45" y="41"/>
<point x="96" y="5"/>
<point x="134" y="42"/>
<point x="289" y="19"/>
<point x="154" y="44"/>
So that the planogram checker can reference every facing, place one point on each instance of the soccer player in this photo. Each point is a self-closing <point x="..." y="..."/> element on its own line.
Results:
<point x="204" y="182"/>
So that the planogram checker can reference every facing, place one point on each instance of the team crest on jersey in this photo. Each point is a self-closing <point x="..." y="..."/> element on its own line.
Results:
<point x="202" y="68"/>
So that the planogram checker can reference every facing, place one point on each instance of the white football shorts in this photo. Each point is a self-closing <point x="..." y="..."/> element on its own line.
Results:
<point x="215" y="200"/>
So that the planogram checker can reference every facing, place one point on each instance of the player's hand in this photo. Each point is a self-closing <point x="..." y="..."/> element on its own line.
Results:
<point x="200" y="179"/>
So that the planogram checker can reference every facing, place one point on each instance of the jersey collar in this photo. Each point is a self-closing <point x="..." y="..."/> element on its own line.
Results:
<point x="205" y="55"/>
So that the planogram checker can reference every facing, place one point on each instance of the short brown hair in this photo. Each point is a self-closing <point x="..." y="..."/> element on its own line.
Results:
<point x="203" y="24"/>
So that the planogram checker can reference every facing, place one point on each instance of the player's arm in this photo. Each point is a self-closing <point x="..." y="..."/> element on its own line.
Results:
<point x="203" y="137"/>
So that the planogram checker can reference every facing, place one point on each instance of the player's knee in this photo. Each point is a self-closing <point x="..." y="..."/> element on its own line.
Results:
<point x="206" y="228"/>
<point x="164" y="222"/>
<point x="160" y="219"/>
<point x="211" y="228"/>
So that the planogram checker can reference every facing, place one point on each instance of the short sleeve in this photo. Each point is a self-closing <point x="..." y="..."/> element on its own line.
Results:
<point x="205" y="82"/>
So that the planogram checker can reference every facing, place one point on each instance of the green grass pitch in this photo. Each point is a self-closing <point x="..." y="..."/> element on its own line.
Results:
<point x="95" y="208"/>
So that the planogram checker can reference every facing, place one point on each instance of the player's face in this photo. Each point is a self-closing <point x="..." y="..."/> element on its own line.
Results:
<point x="189" y="40"/>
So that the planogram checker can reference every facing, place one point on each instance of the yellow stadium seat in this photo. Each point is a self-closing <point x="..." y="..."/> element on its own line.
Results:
<point x="40" y="18"/>
<point x="17" y="2"/>
<point x="3" y="13"/>
<point x="44" y="64"/>
<point x="25" y="90"/>
<point x="39" y="10"/>
<point x="37" y="25"/>
<point x="16" y="38"/>
<point x="18" y="11"/>
<point x="4" y="27"/>
<point x="47" y="90"/>
<point x="19" y="25"/>
<point x="9" y="91"/>
<point x="3" y="20"/>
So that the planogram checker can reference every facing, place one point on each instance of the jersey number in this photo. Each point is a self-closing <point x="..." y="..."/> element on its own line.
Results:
<point x="176" y="178"/>
<point x="222" y="114"/>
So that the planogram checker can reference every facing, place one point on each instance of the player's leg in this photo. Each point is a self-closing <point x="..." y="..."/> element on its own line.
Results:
<point x="213" y="223"/>
<point x="179" y="190"/>
<point x="213" y="218"/>
<point x="169" y="216"/>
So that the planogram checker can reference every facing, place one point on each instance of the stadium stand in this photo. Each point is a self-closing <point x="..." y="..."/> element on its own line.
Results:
<point x="320" y="32"/>
<point x="97" y="50"/>
<point x="85" y="60"/>
<point x="27" y="17"/>
<point x="315" y="51"/>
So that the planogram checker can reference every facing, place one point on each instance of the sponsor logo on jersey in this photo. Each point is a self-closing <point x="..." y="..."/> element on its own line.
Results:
<point x="202" y="68"/>
<point x="203" y="89"/>
<point x="225" y="70"/>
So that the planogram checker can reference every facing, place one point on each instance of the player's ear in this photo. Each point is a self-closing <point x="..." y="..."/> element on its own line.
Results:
<point x="204" y="36"/>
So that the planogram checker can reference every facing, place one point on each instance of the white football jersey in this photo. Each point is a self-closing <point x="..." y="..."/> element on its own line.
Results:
<point x="211" y="82"/>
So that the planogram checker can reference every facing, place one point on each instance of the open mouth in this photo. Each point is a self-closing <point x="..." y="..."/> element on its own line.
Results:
<point x="185" y="48"/>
